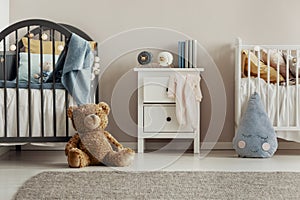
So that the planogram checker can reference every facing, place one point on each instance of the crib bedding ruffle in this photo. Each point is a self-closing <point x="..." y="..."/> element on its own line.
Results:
<point x="285" y="101"/>
<point x="36" y="123"/>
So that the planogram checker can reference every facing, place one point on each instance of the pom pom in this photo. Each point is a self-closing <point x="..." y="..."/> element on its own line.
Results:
<point x="30" y="35"/>
<point x="97" y="59"/>
<point x="96" y="71"/>
<point x="97" y="65"/>
<point x="266" y="146"/>
<point x="44" y="36"/>
<point x="60" y="47"/>
<point x="12" y="47"/>
<point x="241" y="144"/>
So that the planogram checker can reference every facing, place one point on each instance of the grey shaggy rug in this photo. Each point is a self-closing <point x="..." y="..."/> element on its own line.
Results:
<point x="162" y="185"/>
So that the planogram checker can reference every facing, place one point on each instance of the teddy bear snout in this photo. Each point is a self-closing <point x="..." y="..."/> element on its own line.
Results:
<point x="92" y="121"/>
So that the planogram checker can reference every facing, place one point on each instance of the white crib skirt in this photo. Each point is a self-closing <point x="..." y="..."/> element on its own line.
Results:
<point x="36" y="120"/>
<point x="279" y="102"/>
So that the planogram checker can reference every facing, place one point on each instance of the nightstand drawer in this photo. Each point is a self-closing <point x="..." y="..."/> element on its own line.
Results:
<point x="155" y="90"/>
<point x="162" y="118"/>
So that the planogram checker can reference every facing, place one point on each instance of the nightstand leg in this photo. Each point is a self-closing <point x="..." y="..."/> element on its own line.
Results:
<point x="141" y="145"/>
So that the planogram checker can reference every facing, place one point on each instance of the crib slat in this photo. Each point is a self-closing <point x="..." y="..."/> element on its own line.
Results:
<point x="17" y="83"/>
<point x="5" y="89"/>
<point x="297" y="88"/>
<point x="249" y="69"/>
<point x="278" y="91"/>
<point x="67" y="119"/>
<point x="258" y="72"/>
<point x="268" y="82"/>
<point x="238" y="75"/>
<point x="287" y="89"/>
<point x="29" y="86"/>
<point x="42" y="82"/>
<point x="52" y="32"/>
<point x="67" y="104"/>
<point x="97" y="76"/>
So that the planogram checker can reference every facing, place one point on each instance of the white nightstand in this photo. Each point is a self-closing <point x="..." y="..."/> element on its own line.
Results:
<point x="156" y="112"/>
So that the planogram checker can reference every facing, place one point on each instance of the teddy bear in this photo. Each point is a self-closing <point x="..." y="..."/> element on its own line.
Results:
<point x="47" y="69"/>
<point x="92" y="145"/>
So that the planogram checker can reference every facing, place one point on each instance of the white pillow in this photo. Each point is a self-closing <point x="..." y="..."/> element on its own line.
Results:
<point x="35" y="63"/>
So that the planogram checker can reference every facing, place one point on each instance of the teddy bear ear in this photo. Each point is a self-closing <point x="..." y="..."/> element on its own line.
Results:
<point x="105" y="107"/>
<point x="70" y="111"/>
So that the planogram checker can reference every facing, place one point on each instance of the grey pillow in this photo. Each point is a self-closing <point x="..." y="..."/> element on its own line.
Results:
<point x="255" y="136"/>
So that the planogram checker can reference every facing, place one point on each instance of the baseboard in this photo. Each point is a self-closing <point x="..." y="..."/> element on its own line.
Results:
<point x="43" y="146"/>
<point x="175" y="145"/>
<point x="216" y="146"/>
<point x="3" y="150"/>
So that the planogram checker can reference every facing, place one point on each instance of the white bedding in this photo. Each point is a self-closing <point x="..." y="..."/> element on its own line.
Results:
<point x="268" y="94"/>
<point x="35" y="113"/>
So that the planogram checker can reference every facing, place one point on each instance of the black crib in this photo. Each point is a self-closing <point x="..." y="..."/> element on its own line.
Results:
<point x="34" y="111"/>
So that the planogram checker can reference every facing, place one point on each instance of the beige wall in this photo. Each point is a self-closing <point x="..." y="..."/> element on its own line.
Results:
<point x="4" y="13"/>
<point x="4" y="16"/>
<point x="214" y="23"/>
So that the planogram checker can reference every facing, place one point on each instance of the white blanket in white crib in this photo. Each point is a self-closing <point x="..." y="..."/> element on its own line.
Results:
<point x="268" y="94"/>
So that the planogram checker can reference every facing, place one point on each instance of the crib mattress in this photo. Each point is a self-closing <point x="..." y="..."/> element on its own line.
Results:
<point x="36" y="121"/>
<point x="281" y="109"/>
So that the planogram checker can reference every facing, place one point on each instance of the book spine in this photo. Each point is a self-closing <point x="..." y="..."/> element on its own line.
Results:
<point x="186" y="54"/>
<point x="179" y="54"/>
<point x="194" y="53"/>
<point x="182" y="54"/>
<point x="190" y="54"/>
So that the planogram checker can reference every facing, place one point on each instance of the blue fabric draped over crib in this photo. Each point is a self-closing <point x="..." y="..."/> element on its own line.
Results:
<point x="74" y="68"/>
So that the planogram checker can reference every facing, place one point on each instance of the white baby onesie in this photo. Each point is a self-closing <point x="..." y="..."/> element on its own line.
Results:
<point x="186" y="90"/>
<point x="175" y="90"/>
<point x="192" y="94"/>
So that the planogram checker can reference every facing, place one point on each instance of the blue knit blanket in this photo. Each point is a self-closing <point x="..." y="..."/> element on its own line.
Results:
<point x="74" y="67"/>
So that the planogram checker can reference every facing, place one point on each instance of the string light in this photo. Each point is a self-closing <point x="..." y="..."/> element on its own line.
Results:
<point x="12" y="47"/>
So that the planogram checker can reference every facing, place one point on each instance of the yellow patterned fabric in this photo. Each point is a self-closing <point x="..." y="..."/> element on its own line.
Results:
<point x="47" y="46"/>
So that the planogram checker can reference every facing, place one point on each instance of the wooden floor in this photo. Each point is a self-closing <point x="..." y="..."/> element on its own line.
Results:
<point x="17" y="167"/>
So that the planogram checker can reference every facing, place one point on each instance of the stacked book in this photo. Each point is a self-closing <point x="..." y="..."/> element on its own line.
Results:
<point x="187" y="54"/>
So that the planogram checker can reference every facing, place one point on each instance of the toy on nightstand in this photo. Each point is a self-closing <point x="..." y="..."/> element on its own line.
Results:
<point x="144" y="58"/>
<point x="165" y="59"/>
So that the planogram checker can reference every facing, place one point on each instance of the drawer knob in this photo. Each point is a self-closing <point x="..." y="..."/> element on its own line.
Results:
<point x="167" y="89"/>
<point x="168" y="119"/>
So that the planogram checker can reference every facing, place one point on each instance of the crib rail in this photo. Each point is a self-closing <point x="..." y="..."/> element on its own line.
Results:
<point x="12" y="104"/>
<point x="276" y="80"/>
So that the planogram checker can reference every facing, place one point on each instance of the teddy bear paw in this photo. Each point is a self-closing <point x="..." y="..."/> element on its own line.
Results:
<point x="77" y="158"/>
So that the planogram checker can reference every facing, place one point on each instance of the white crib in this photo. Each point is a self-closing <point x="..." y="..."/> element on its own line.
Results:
<point x="271" y="71"/>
